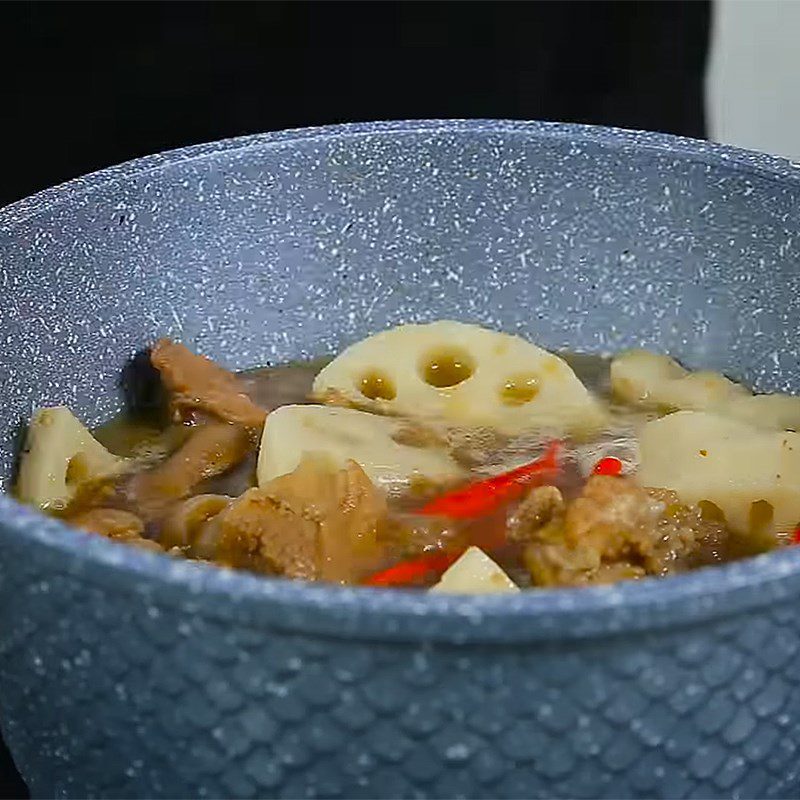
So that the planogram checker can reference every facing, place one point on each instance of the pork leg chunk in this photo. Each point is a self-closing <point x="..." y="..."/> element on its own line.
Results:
<point x="210" y="450"/>
<point x="196" y="383"/>
<point x="121" y="526"/>
<point x="616" y="530"/>
<point x="317" y="522"/>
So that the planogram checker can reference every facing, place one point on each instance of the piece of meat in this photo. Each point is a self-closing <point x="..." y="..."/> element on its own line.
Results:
<point x="688" y="537"/>
<point x="318" y="522"/>
<point x="197" y="383"/>
<point x="617" y="530"/>
<point x="537" y="509"/>
<point x="210" y="450"/>
<point x="262" y="535"/>
<point x="122" y="526"/>
<point x="111" y="522"/>
<point x="191" y="526"/>
<point x="617" y="571"/>
<point x="608" y="514"/>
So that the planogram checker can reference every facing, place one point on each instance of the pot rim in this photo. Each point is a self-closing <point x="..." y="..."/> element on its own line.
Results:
<point x="366" y="612"/>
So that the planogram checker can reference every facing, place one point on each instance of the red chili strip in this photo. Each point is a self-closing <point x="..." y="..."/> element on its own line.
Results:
<point x="409" y="572"/>
<point x="485" y="496"/>
<point x="608" y="466"/>
<point x="796" y="535"/>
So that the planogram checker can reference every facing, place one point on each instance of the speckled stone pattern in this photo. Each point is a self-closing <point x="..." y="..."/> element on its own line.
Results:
<point x="124" y="673"/>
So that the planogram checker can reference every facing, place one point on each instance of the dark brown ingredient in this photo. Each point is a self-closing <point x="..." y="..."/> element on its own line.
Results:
<point x="210" y="450"/>
<point x="616" y="530"/>
<point x="538" y="508"/>
<point x="196" y="383"/>
<point x="191" y="524"/>
<point x="122" y="526"/>
<point x="318" y="522"/>
<point x="279" y="386"/>
<point x="234" y="481"/>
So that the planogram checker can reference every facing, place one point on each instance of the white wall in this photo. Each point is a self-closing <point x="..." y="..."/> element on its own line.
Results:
<point x="753" y="83"/>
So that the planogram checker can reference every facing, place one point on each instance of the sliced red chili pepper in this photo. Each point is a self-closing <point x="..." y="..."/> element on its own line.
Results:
<point x="413" y="570"/>
<point x="796" y="535"/>
<point x="485" y="496"/>
<point x="608" y="466"/>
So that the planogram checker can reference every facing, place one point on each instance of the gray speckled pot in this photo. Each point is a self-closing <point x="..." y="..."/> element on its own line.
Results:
<point x="129" y="674"/>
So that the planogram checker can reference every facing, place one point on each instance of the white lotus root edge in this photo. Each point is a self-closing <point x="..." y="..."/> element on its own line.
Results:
<point x="342" y="434"/>
<point x="751" y="475"/>
<point x="652" y="380"/>
<point x="461" y="374"/>
<point x="60" y="455"/>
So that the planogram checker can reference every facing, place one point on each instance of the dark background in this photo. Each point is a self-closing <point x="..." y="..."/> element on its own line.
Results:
<point x="87" y="85"/>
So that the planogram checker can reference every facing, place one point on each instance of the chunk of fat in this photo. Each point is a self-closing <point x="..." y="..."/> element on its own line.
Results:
<point x="508" y="383"/>
<point x="344" y="434"/>
<point x="708" y="457"/>
<point x="59" y="455"/>
<point x="475" y="573"/>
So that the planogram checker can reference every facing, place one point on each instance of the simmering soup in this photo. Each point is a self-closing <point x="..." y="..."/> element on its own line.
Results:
<point x="442" y="456"/>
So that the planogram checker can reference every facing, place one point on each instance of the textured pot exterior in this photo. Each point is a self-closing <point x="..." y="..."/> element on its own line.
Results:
<point x="129" y="674"/>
